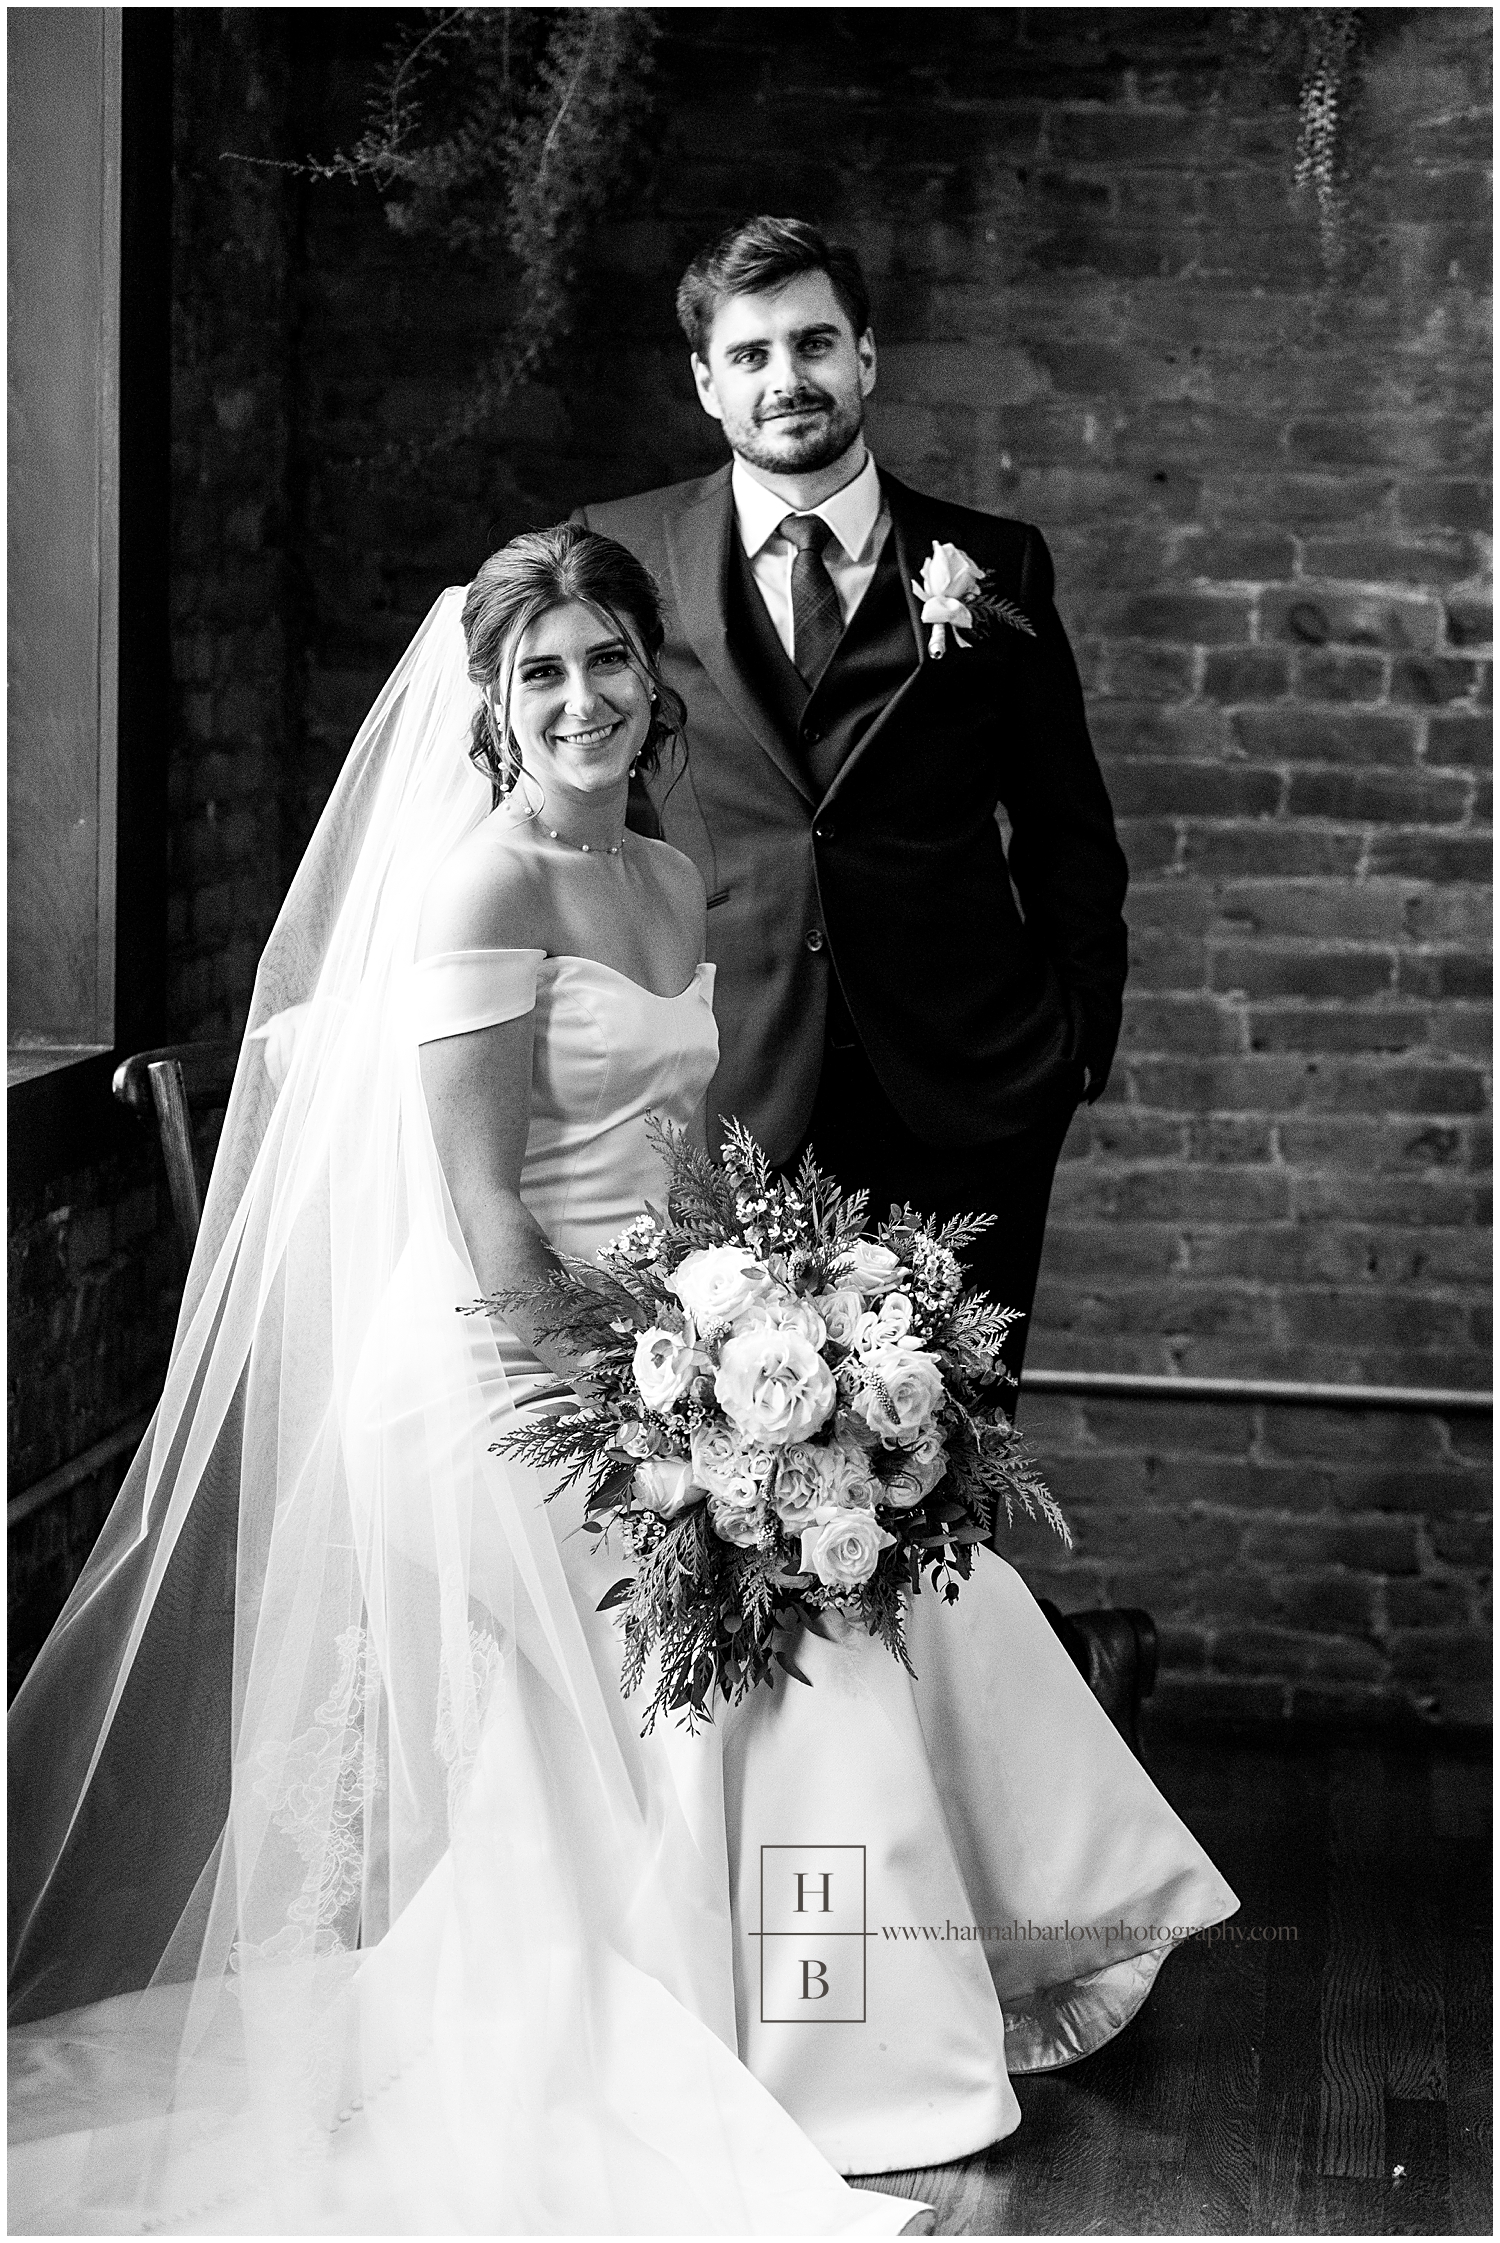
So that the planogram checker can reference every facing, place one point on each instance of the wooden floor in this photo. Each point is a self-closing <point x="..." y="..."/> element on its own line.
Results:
<point x="1338" y="2084"/>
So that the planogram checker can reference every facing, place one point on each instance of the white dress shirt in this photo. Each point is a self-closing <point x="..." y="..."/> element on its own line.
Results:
<point x="858" y="517"/>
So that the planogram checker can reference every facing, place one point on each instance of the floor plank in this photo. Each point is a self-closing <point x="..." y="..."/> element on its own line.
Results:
<point x="1332" y="2080"/>
<point x="1218" y="2190"/>
<point x="1460" y="1808"/>
<point x="1290" y="1892"/>
<point x="1419" y="2197"/>
<point x="1413" y="2043"/>
<point x="1351" y="2112"/>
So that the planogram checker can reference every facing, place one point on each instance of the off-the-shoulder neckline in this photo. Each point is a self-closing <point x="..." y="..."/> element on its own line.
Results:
<point x="570" y="958"/>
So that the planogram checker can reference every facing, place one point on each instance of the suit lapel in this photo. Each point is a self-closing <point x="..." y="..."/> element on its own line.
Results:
<point x="908" y="529"/>
<point x="906" y="537"/>
<point x="698" y="554"/>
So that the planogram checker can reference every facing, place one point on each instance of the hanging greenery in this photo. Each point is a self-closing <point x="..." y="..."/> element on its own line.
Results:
<point x="1331" y="36"/>
<point x="1323" y="46"/>
<point x="502" y="134"/>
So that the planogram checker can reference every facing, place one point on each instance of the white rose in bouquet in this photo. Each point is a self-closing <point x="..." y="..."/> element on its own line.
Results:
<point x="665" y="1484"/>
<point x="782" y="1310"/>
<point x="792" y="1312"/>
<point x="737" y="1520"/>
<point x="869" y="1268"/>
<point x="841" y="1311"/>
<point x="848" y="1483"/>
<point x="800" y="1488"/>
<point x="882" y="1327"/>
<point x="716" y="1284"/>
<point x="665" y="1363"/>
<point x="902" y="1391"/>
<point x="843" y="1547"/>
<point x="918" y="1473"/>
<point x="726" y="1465"/>
<point x="774" y="1386"/>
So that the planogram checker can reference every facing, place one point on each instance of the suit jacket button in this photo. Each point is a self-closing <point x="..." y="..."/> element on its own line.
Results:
<point x="814" y="938"/>
<point x="812" y="736"/>
<point x="823" y="832"/>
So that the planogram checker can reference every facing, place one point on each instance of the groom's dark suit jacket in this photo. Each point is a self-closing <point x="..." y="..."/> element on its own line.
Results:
<point x="855" y="831"/>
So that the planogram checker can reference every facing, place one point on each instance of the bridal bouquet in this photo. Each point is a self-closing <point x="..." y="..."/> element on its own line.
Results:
<point x="790" y="1417"/>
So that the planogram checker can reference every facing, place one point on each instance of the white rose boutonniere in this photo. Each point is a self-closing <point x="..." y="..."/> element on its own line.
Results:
<point x="954" y="596"/>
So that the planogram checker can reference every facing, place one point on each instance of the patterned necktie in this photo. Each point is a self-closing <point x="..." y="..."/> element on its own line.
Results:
<point x="817" y="618"/>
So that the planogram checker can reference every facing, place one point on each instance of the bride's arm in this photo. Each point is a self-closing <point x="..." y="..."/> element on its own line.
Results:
<point x="478" y="1091"/>
<point x="478" y="1086"/>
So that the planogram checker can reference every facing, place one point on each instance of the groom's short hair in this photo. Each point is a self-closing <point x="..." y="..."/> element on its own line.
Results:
<point x="760" y="254"/>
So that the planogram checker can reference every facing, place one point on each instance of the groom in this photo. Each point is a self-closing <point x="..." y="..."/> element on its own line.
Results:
<point x="897" y="987"/>
<point x="923" y="1007"/>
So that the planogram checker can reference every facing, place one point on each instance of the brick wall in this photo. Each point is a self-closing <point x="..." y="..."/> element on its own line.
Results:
<point x="1100" y="308"/>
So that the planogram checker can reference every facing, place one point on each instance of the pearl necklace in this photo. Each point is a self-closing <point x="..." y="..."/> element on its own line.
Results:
<point x="585" y="848"/>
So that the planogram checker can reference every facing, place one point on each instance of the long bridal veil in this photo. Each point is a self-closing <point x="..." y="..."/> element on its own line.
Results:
<point x="333" y="1883"/>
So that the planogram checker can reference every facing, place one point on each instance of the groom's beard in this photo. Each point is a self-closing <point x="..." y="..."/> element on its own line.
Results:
<point x="779" y="448"/>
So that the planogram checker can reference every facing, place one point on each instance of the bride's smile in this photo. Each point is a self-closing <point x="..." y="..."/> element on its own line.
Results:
<point x="586" y="739"/>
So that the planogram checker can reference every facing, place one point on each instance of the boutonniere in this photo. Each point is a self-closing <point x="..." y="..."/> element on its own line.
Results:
<point x="956" y="596"/>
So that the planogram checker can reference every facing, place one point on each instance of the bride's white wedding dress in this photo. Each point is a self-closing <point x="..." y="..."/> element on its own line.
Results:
<point x="991" y="1804"/>
<point x="675" y="1984"/>
<point x="1020" y="1876"/>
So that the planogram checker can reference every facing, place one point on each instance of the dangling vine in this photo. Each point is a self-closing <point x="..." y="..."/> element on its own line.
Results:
<point x="1322" y="45"/>
<point x="502" y="134"/>
<point x="1331" y="36"/>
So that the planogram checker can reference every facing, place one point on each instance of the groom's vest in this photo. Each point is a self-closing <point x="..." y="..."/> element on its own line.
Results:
<point x="876" y="654"/>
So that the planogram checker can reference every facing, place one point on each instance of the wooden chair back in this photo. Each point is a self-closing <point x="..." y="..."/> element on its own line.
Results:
<point x="166" y="1086"/>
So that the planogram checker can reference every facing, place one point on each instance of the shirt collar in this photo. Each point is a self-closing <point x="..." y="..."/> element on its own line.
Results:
<point x="851" y="513"/>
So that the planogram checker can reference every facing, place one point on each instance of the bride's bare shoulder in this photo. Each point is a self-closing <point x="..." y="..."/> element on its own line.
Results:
<point x="490" y="894"/>
<point x="678" y="877"/>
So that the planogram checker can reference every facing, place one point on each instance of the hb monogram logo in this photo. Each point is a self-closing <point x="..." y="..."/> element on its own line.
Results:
<point x="812" y="1935"/>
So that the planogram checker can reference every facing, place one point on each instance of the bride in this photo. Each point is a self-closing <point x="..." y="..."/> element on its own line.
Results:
<point x="345" y="1894"/>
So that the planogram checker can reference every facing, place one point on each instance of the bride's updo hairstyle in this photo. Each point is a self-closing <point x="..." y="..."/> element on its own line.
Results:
<point x="536" y="572"/>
